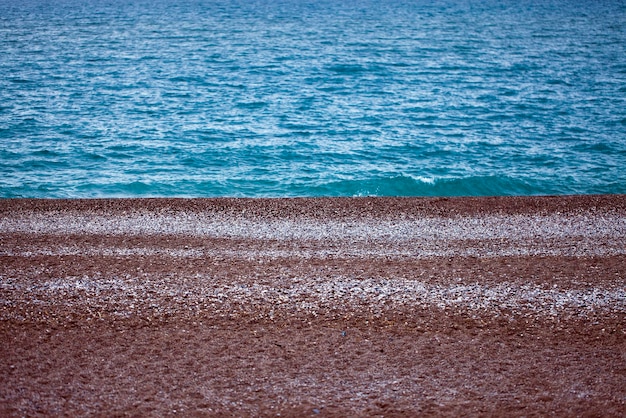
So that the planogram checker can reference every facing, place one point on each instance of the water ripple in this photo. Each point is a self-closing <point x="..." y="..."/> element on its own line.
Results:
<point x="287" y="98"/>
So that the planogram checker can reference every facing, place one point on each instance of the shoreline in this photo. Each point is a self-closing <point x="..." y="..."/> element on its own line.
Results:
<point x="311" y="294"/>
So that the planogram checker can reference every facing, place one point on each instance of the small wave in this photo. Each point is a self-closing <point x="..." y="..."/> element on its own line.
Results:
<point x="346" y="68"/>
<point x="251" y="105"/>
<point x="403" y="185"/>
<point x="45" y="153"/>
<point x="21" y="81"/>
<point x="187" y="79"/>
<point x="122" y="189"/>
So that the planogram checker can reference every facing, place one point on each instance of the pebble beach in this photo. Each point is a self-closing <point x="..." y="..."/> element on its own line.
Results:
<point x="313" y="306"/>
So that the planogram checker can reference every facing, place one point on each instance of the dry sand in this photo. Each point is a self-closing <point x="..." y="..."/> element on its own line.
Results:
<point x="313" y="307"/>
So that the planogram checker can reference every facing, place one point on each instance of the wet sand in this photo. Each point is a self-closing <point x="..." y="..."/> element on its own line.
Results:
<point x="313" y="307"/>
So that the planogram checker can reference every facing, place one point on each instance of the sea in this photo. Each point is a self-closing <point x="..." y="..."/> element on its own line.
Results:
<point x="287" y="98"/>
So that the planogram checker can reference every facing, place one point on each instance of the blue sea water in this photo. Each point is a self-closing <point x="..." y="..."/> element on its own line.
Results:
<point x="117" y="98"/>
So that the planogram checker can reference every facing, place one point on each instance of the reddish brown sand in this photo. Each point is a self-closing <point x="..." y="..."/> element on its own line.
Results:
<point x="313" y="307"/>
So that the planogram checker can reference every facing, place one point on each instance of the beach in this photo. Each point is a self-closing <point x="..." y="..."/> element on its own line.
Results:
<point x="313" y="306"/>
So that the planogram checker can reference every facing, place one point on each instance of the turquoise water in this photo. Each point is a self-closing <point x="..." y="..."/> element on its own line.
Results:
<point x="115" y="98"/>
